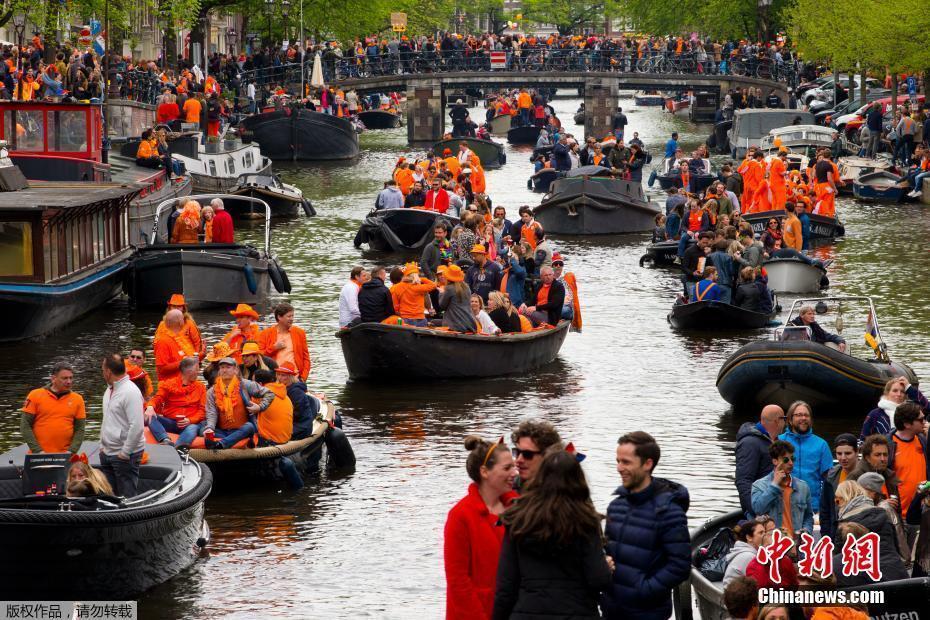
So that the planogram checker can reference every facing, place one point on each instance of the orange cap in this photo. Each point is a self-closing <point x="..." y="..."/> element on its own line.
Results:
<point x="287" y="368"/>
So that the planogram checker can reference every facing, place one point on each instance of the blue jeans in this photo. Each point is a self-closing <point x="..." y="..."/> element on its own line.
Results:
<point x="416" y="322"/>
<point x="568" y="313"/>
<point x="525" y="116"/>
<point x="161" y="426"/>
<point x="919" y="180"/>
<point x="229" y="438"/>
<point x="286" y="466"/>
<point x="122" y="475"/>
<point x="618" y="133"/>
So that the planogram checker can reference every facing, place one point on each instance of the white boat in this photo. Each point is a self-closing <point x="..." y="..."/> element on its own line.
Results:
<point x="750" y="127"/>
<point x="790" y="275"/>
<point x="852" y="167"/>
<point x="215" y="167"/>
<point x="801" y="139"/>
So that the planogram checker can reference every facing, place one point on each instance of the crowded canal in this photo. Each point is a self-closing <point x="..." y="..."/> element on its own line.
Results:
<point x="369" y="543"/>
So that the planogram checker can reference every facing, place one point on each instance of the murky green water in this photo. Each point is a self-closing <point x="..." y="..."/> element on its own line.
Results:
<point x="370" y="544"/>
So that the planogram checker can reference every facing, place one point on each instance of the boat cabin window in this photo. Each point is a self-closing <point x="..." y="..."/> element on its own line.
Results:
<point x="75" y="242"/>
<point x="30" y="129"/>
<point x="212" y="167"/>
<point x="16" y="250"/>
<point x="247" y="160"/>
<point x="67" y="130"/>
<point x="230" y="165"/>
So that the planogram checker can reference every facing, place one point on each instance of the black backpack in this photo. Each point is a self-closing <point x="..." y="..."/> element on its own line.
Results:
<point x="711" y="560"/>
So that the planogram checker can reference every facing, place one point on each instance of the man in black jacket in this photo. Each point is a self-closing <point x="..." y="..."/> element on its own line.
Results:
<point x="374" y="299"/>
<point x="553" y="293"/>
<point x="752" y="452"/>
<point x="416" y="197"/>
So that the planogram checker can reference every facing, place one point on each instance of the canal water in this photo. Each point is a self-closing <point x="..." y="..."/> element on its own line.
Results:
<point x="369" y="544"/>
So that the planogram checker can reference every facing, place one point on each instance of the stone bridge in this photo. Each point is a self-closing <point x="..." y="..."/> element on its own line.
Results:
<point x="426" y="92"/>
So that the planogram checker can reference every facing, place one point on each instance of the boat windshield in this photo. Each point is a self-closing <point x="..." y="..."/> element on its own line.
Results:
<point x="852" y="318"/>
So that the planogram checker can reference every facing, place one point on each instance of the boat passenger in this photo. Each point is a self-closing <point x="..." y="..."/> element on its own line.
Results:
<point x="824" y="187"/>
<point x="707" y="289"/>
<point x="760" y="573"/>
<point x="245" y="329"/>
<point x="228" y="413"/>
<point x="207" y="215"/>
<point x="348" y="297"/>
<point x="223" y="231"/>
<point x="53" y="417"/>
<point x="896" y="392"/>
<point x="526" y="228"/>
<point x="543" y="255"/>
<point x="484" y="275"/>
<point x="671" y="146"/>
<point x="635" y="163"/>
<point x="874" y="451"/>
<point x="807" y="318"/>
<point x="549" y="299"/>
<point x="485" y="323"/>
<point x="473" y="531"/>
<point x="571" y="309"/>
<point x="390" y="197"/>
<point x="515" y="271"/>
<point x="741" y="598"/>
<point x="502" y="312"/>
<point x="416" y="197"/>
<point x="748" y="536"/>
<point x="727" y="267"/>
<point x="306" y="407"/>
<point x="172" y="345"/>
<point x="437" y="199"/>
<point x="793" y="236"/>
<point x="285" y="342"/>
<point x="187" y="226"/>
<point x="872" y="484"/>
<point x="813" y="457"/>
<point x="253" y="360"/>
<point x="853" y="505"/>
<point x="374" y="298"/>
<point x="137" y="374"/>
<point x="618" y="160"/>
<point x="147" y="153"/>
<point x="694" y="261"/>
<point x="92" y="481"/>
<point x="178" y="406"/>
<point x="771" y="233"/>
<point x="212" y="369"/>
<point x="455" y="302"/>
<point x="747" y="295"/>
<point x="190" y="329"/>
<point x="752" y="171"/>
<point x="907" y="449"/>
<point x="560" y="155"/>
<point x="778" y="490"/>
<point x="409" y="296"/>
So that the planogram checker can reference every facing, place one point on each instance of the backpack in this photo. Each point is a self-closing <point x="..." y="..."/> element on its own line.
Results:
<point x="711" y="560"/>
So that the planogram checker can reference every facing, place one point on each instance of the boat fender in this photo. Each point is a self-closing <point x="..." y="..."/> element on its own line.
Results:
<point x="337" y="420"/>
<point x="648" y="158"/>
<point x="278" y="277"/>
<point x="824" y="282"/>
<point x="502" y="158"/>
<point x="340" y="451"/>
<point x="645" y="257"/>
<point x="250" y="280"/>
<point x="652" y="178"/>
<point x="309" y="211"/>
<point x="529" y="184"/>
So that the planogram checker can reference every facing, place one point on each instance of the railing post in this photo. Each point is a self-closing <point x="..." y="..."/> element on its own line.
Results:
<point x="425" y="118"/>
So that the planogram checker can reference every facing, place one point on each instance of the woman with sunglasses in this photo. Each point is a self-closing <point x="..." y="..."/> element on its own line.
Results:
<point x="473" y="533"/>
<point x="771" y="234"/>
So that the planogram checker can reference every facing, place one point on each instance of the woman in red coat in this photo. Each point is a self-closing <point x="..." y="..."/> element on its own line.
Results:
<point x="473" y="533"/>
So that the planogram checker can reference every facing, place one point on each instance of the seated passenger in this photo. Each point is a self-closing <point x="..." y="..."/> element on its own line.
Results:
<point x="147" y="153"/>
<point x="276" y="425"/>
<point x="253" y="361"/>
<point x="86" y="478"/>
<point x="178" y="406"/>
<point x="747" y="294"/>
<point x="484" y="321"/>
<point x="502" y="312"/>
<point x="806" y="318"/>
<point x="455" y="302"/>
<point x="781" y="252"/>
<point x="306" y="407"/>
<point x="228" y="415"/>
<point x="549" y="297"/>
<point x="707" y="289"/>
<point x="749" y="536"/>
<point x="187" y="226"/>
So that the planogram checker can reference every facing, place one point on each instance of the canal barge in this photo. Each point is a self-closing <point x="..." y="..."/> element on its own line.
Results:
<point x="101" y="547"/>
<point x="294" y="133"/>
<point x="822" y="228"/>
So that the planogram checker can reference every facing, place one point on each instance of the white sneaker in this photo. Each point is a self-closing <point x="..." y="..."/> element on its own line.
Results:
<point x="914" y="194"/>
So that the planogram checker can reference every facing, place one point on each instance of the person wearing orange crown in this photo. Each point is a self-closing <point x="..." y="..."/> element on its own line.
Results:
<point x="245" y="330"/>
<point x="409" y="296"/>
<point x="190" y="329"/>
<point x="284" y="342"/>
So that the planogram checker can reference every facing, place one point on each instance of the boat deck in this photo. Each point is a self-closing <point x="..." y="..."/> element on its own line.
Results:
<point x="41" y="195"/>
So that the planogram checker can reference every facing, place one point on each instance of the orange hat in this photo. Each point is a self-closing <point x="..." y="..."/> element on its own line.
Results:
<point x="244" y="310"/>
<point x="442" y="269"/>
<point x="177" y="300"/>
<point x="251" y="348"/>
<point x="287" y="368"/>
<point x="447" y="151"/>
<point x="411" y="268"/>
<point x="134" y="372"/>
<point x="478" y="249"/>
<point x="220" y="350"/>
<point x="454" y="273"/>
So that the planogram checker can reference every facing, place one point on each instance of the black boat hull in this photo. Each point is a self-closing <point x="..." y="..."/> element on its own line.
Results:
<point x="207" y="275"/>
<point x="582" y="206"/>
<point x="527" y="134"/>
<point x="301" y="134"/>
<point x="541" y="182"/>
<point x="715" y="316"/>
<point x="777" y="372"/>
<point x="821" y="227"/>
<point x="662" y="253"/>
<point x="379" y="119"/>
<point x="233" y="473"/>
<point x="490" y="153"/>
<point x="281" y="205"/>
<point x="31" y="310"/>
<point x="400" y="230"/>
<point x="699" y="182"/>
<point x="378" y="351"/>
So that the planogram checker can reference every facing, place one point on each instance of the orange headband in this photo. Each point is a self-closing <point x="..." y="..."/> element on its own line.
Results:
<point x="490" y="450"/>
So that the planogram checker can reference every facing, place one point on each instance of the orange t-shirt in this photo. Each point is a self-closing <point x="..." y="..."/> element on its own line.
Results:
<point x="910" y="466"/>
<point x="408" y="298"/>
<point x="524" y="100"/>
<point x="276" y="423"/>
<point x="54" y="417"/>
<point x="543" y="295"/>
<point x="175" y="400"/>
<point x="192" y="111"/>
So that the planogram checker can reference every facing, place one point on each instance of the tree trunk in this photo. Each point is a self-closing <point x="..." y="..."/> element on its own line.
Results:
<point x="862" y="89"/>
<point x="894" y="94"/>
<point x="198" y="35"/>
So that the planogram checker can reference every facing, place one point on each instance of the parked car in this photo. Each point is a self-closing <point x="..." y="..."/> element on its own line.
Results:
<point x="826" y="91"/>
<point x="851" y="123"/>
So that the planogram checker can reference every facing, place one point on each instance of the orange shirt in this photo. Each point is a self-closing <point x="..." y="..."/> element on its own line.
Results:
<point x="175" y="400"/>
<point x="452" y="165"/>
<point x="524" y="101"/>
<point x="192" y="111"/>
<point x="235" y="342"/>
<point x="54" y="417"/>
<point x="299" y="350"/>
<point x="542" y="296"/>
<point x="408" y="298"/>
<point x="276" y="423"/>
<point x="791" y="228"/>
<point x="478" y="182"/>
<point x="170" y="349"/>
<point x="404" y="180"/>
<point x="910" y="467"/>
<point x="190" y="330"/>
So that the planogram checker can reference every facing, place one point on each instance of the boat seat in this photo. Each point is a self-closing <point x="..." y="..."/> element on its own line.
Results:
<point x="795" y="333"/>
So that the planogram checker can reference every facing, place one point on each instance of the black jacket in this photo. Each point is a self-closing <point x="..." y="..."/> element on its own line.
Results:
<point x="374" y="301"/>
<point x="415" y="199"/>
<point x="508" y="324"/>
<point x="305" y="409"/>
<point x="889" y="559"/>
<point x="554" y="303"/>
<point x="747" y="297"/>
<point x="545" y="581"/>
<point x="819" y="334"/>
<point x="752" y="461"/>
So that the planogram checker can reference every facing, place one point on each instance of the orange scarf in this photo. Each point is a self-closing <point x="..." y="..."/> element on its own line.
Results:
<point x="184" y="343"/>
<point x="225" y="404"/>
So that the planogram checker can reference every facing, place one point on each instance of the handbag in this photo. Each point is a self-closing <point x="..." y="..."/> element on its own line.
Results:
<point x="711" y="561"/>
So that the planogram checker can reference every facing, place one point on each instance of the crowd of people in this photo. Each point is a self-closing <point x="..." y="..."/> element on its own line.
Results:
<point x="249" y="390"/>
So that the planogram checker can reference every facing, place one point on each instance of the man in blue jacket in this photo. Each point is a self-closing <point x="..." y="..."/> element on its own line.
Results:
<point x="812" y="457"/>
<point x="647" y="535"/>
<point x="752" y="452"/>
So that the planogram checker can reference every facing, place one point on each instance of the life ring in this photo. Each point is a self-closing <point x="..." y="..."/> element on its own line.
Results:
<point x="340" y="451"/>
<point x="278" y="277"/>
<point x="250" y="281"/>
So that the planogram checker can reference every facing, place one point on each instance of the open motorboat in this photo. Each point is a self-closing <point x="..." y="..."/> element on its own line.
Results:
<point x="751" y="126"/>
<point x="904" y="598"/>
<point x="588" y="201"/>
<point x="99" y="547"/>
<point x="716" y="316"/>
<point x="792" y="275"/>
<point x="490" y="153"/>
<point x="284" y="200"/>
<point x="852" y="167"/>
<point x="380" y="119"/>
<point x="677" y="103"/>
<point x="63" y="142"/>
<point x="64" y="248"/>
<point x="803" y="140"/>
<point x="662" y="253"/>
<point x="790" y="366"/>
<point x="822" y="227"/>
<point x="401" y="230"/>
<point x="652" y="98"/>
<point x="880" y="185"/>
<point x="525" y="134"/>
<point x="294" y="133"/>
<point x="207" y="274"/>
<point x="541" y="181"/>
<point x="700" y="176"/>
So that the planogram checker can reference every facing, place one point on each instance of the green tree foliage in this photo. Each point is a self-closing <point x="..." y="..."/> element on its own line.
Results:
<point x="568" y="15"/>
<point x="730" y="19"/>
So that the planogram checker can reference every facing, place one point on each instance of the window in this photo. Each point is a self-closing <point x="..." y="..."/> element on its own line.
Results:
<point x="16" y="249"/>
<point x="247" y="160"/>
<point x="30" y="130"/>
<point x="212" y="167"/>
<point x="231" y="165"/>
<point x="67" y="131"/>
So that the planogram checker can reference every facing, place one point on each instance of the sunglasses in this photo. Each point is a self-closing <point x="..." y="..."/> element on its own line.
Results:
<point x="787" y="459"/>
<point x="528" y="455"/>
<point x="135" y="357"/>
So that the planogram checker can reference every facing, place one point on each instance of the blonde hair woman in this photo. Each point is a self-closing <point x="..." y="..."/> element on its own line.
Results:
<point x="503" y="313"/>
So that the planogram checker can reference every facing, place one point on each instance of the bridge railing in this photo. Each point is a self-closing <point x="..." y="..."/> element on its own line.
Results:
<point x="530" y="61"/>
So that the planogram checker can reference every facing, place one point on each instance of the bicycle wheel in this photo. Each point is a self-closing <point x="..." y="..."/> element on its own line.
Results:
<point x="764" y="71"/>
<point x="642" y="65"/>
<point x="664" y="65"/>
<point x="737" y="67"/>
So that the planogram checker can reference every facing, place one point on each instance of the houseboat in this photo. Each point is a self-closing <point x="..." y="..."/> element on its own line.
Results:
<point x="63" y="142"/>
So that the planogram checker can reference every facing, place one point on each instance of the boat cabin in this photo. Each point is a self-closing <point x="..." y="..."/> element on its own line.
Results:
<point x="803" y="139"/>
<point x="750" y="126"/>
<point x="55" y="141"/>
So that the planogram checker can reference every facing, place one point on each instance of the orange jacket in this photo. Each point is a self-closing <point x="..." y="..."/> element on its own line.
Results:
<point x="183" y="232"/>
<point x="276" y="423"/>
<point x="791" y="232"/>
<point x="190" y="330"/>
<point x="408" y="298"/>
<point x="404" y="180"/>
<point x="235" y="342"/>
<point x="524" y="101"/>
<point x="478" y="182"/>
<point x="147" y="149"/>
<point x="175" y="400"/>
<point x="452" y="165"/>
<point x="267" y="339"/>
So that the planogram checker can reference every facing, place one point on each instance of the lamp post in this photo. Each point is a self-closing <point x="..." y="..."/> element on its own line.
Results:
<point x="269" y="5"/>
<point x="19" y="25"/>
<point x="285" y="6"/>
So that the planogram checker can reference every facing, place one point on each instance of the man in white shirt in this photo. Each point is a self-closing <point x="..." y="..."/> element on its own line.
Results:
<point x="121" y="439"/>
<point x="348" y="297"/>
<point x="250" y="93"/>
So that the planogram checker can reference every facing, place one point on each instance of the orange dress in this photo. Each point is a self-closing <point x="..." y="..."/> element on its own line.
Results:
<point x="752" y="174"/>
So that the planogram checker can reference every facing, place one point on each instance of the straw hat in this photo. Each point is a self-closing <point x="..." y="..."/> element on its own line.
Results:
<point x="220" y="350"/>
<point x="244" y="310"/>
<point x="454" y="273"/>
